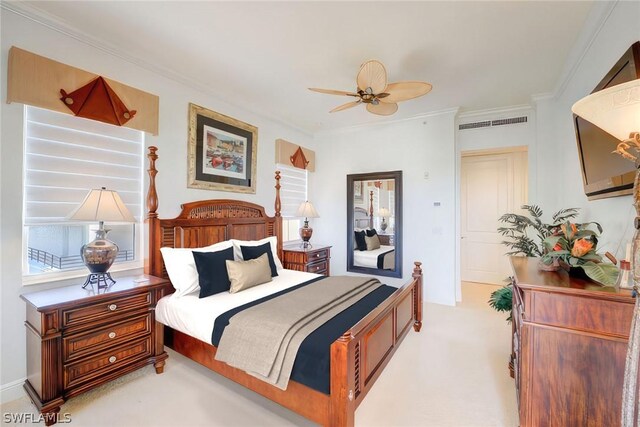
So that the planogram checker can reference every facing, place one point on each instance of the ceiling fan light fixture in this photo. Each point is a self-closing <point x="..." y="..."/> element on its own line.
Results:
<point x="372" y="89"/>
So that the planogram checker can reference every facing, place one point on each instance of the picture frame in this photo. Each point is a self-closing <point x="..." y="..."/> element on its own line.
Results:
<point x="357" y="191"/>
<point x="222" y="152"/>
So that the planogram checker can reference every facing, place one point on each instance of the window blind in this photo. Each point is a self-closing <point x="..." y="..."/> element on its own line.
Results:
<point x="66" y="156"/>
<point x="293" y="189"/>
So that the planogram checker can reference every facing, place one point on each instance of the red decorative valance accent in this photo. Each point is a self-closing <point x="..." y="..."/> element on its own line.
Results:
<point x="97" y="101"/>
<point x="298" y="159"/>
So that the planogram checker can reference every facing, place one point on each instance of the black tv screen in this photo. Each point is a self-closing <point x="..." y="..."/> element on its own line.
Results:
<point x="604" y="173"/>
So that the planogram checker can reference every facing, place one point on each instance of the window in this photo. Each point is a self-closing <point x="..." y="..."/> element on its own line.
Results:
<point x="293" y="192"/>
<point x="65" y="157"/>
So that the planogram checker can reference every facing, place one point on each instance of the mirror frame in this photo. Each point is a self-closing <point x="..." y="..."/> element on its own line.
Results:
<point x="397" y="176"/>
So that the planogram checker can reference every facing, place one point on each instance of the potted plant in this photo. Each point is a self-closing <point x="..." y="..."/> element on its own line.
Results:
<point x="524" y="235"/>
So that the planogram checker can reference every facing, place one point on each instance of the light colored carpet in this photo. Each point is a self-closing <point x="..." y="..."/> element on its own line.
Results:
<point x="453" y="373"/>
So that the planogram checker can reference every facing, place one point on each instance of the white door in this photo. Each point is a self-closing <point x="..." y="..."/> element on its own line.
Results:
<point x="490" y="186"/>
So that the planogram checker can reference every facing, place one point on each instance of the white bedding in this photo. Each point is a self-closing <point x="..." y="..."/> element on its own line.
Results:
<point x="195" y="316"/>
<point x="370" y="258"/>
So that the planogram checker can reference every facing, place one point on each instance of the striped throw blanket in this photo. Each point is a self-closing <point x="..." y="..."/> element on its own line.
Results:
<point x="263" y="340"/>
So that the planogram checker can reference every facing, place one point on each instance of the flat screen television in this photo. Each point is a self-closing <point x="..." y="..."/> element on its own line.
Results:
<point x="605" y="174"/>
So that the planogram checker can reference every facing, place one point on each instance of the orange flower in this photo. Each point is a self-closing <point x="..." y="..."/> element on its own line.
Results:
<point x="581" y="247"/>
<point x="557" y="247"/>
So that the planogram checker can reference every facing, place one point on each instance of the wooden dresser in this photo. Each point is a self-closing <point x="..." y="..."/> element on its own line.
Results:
<point x="316" y="259"/>
<point x="569" y="347"/>
<point x="78" y="339"/>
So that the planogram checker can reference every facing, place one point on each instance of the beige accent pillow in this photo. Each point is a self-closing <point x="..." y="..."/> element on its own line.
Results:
<point x="246" y="274"/>
<point x="372" y="242"/>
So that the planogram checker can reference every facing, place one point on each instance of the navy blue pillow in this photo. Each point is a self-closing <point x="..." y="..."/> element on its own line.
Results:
<point x="253" y="252"/>
<point x="212" y="271"/>
<point x="372" y="232"/>
<point x="360" y="242"/>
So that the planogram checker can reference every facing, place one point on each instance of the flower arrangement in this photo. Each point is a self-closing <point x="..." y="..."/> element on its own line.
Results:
<point x="574" y="246"/>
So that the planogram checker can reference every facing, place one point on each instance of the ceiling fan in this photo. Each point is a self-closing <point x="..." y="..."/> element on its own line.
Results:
<point x="381" y="97"/>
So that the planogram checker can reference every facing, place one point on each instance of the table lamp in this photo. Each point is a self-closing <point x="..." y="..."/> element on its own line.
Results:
<point x="100" y="205"/>
<point x="307" y="211"/>
<point x="616" y="110"/>
<point x="384" y="213"/>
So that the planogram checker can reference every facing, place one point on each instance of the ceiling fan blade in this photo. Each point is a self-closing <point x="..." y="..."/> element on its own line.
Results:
<point x="333" y="92"/>
<point x="403" y="91"/>
<point x="372" y="75"/>
<point x="382" y="109"/>
<point x="345" y="106"/>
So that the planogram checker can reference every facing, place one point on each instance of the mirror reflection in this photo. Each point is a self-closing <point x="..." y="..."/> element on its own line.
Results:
<point x="374" y="207"/>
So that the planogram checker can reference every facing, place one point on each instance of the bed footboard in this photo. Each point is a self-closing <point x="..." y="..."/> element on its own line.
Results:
<point x="360" y="354"/>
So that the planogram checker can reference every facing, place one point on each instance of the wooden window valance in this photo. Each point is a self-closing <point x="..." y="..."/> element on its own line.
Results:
<point x="295" y="155"/>
<point x="42" y="82"/>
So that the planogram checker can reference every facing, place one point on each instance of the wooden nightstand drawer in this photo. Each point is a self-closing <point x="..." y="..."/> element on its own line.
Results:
<point x="107" y="361"/>
<point x="105" y="310"/>
<point x="311" y="259"/>
<point x="319" y="255"/>
<point x="318" y="268"/>
<point x="81" y="344"/>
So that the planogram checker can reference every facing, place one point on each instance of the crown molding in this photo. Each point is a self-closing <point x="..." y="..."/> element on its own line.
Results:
<point x="359" y="126"/>
<point x="597" y="18"/>
<point x="495" y="112"/>
<point x="54" y="23"/>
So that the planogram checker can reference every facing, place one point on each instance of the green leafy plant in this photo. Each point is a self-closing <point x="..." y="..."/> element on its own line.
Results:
<point x="524" y="235"/>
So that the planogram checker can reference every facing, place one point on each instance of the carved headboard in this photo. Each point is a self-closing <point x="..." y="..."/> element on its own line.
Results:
<point x="205" y="222"/>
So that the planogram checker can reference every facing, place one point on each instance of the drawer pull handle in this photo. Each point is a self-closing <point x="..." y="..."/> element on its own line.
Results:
<point x="112" y="335"/>
<point x="112" y="359"/>
<point x="113" y="307"/>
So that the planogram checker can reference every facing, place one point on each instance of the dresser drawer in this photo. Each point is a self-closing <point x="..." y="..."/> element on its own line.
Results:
<point x="317" y="256"/>
<point x="318" y="268"/>
<point x="105" y="310"/>
<point x="107" y="361"/>
<point x="77" y="345"/>
<point x="582" y="313"/>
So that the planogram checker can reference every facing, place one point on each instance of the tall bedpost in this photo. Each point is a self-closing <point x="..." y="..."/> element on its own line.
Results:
<point x="371" y="209"/>
<point x="417" y="296"/>
<point x="278" y="207"/>
<point x="152" y="264"/>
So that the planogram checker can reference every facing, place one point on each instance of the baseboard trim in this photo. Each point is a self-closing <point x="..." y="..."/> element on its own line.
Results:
<point x="12" y="391"/>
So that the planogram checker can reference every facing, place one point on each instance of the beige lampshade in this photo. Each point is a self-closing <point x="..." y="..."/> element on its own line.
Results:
<point x="616" y="110"/>
<point x="307" y="210"/>
<point x="102" y="205"/>
<point x="384" y="212"/>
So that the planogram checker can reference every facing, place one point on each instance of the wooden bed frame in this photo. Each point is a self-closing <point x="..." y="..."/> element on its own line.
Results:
<point x="357" y="357"/>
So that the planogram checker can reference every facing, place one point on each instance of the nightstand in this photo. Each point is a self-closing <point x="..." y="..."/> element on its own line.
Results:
<point x="78" y="338"/>
<point x="386" y="239"/>
<point x="312" y="260"/>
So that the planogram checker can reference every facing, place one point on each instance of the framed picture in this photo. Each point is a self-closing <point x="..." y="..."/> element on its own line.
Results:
<point x="222" y="152"/>
<point x="357" y="191"/>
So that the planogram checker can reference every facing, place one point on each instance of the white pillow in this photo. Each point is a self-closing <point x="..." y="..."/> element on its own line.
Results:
<point x="181" y="267"/>
<point x="237" y="252"/>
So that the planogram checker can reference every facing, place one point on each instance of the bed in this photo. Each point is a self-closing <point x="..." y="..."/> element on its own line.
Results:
<point x="357" y="356"/>
<point x="383" y="258"/>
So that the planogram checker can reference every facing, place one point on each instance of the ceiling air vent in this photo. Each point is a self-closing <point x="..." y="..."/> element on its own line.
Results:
<point x="475" y="125"/>
<point x="491" y="123"/>
<point x="511" y="121"/>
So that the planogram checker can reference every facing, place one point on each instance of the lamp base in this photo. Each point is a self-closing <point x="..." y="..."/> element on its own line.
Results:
<point x="102" y="280"/>
<point x="99" y="254"/>
<point x="305" y="234"/>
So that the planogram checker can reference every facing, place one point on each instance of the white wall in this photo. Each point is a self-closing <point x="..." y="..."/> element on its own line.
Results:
<point x="556" y="136"/>
<point x="413" y="146"/>
<point x="172" y="164"/>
